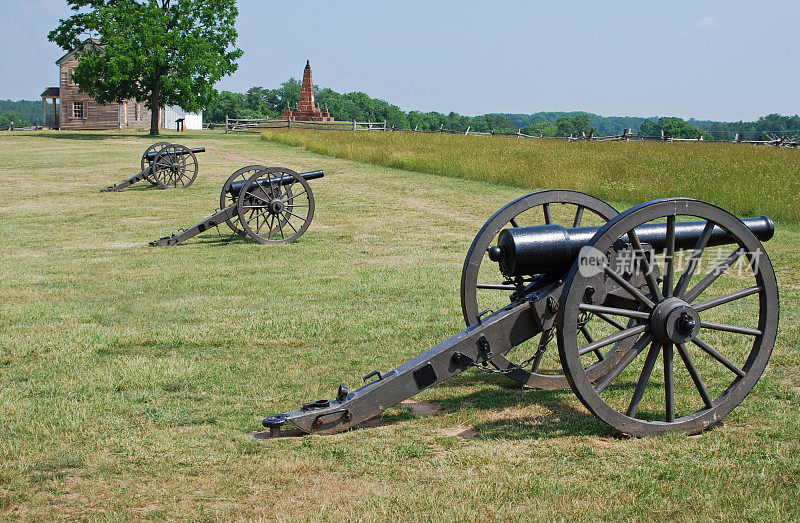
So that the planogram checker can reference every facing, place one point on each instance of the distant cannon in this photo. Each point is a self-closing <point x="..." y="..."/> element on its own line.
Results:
<point x="165" y="165"/>
<point x="267" y="204"/>
<point x="651" y="341"/>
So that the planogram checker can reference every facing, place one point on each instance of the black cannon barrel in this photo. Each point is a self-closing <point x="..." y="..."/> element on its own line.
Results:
<point x="152" y="155"/>
<point x="541" y="249"/>
<point x="236" y="187"/>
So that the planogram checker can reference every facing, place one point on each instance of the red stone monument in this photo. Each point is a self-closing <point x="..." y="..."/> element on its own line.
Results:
<point x="307" y="110"/>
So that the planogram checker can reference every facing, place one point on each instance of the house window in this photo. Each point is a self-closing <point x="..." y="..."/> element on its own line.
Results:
<point x="77" y="110"/>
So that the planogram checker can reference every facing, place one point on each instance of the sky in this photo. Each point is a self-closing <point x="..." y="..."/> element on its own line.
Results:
<point x="710" y="60"/>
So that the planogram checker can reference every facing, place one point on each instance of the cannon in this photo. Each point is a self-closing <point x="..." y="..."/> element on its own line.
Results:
<point x="165" y="165"/>
<point x="267" y="204"/>
<point x="664" y="315"/>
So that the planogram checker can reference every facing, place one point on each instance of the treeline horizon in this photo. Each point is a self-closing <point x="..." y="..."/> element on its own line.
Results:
<point x="260" y="102"/>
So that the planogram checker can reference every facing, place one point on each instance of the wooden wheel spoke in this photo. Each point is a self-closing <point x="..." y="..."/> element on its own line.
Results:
<point x="644" y="378"/>
<point x="280" y="226"/>
<point x="633" y="291"/>
<point x="289" y="223"/>
<point x="711" y="351"/>
<point x="711" y="277"/>
<point x="609" y="320"/>
<point x="736" y="329"/>
<point x="548" y="217"/>
<point x="590" y="339"/>
<point x="669" y="382"/>
<point x="495" y="286"/>
<point x="576" y="222"/>
<point x="253" y="195"/>
<point x="698" y="382"/>
<point x="613" y="338"/>
<point x="641" y="315"/>
<point x="623" y="363"/>
<point x="694" y="259"/>
<point x="257" y="216"/>
<point x="669" y="259"/>
<point x="296" y="216"/>
<point x="727" y="298"/>
<point x="649" y="276"/>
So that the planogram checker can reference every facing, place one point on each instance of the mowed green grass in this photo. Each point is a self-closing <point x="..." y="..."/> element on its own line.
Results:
<point x="131" y="377"/>
<point x="744" y="179"/>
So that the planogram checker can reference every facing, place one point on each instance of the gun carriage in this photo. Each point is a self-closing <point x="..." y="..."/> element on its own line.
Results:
<point x="267" y="204"/>
<point x="656" y="331"/>
<point x="165" y="165"/>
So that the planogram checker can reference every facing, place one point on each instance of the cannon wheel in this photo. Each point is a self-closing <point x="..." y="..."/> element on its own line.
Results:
<point x="271" y="212"/>
<point x="226" y="198"/>
<point x="175" y="166"/>
<point x="721" y="323"/>
<point x="476" y="296"/>
<point x="147" y="163"/>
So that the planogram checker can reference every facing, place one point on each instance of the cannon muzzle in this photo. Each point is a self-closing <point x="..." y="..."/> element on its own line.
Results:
<point x="522" y="251"/>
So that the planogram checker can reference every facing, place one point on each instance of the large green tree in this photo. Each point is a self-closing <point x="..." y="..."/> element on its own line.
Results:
<point x="159" y="52"/>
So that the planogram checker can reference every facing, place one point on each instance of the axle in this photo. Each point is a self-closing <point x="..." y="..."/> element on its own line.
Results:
<point x="548" y="249"/>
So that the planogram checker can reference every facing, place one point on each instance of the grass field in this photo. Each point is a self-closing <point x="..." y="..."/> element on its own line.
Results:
<point x="743" y="179"/>
<point x="131" y="377"/>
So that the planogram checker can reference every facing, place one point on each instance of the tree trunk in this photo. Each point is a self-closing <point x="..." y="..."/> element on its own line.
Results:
<point x="155" y="105"/>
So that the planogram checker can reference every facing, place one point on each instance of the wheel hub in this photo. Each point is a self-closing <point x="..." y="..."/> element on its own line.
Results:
<point x="276" y="206"/>
<point x="674" y="321"/>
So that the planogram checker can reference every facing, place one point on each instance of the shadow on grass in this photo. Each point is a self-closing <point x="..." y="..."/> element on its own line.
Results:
<point x="100" y="136"/>
<point x="560" y="415"/>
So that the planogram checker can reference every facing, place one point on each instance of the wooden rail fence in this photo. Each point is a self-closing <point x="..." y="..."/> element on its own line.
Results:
<point x="253" y="125"/>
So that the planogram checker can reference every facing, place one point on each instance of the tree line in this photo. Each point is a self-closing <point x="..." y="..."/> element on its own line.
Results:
<point x="23" y="113"/>
<point x="259" y="102"/>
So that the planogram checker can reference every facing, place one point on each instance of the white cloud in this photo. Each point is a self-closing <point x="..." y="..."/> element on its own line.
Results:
<point x="707" y="22"/>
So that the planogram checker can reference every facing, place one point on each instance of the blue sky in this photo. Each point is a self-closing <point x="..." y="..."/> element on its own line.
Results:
<point x="714" y="60"/>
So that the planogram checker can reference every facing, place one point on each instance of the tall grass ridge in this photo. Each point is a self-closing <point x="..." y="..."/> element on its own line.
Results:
<point x="746" y="180"/>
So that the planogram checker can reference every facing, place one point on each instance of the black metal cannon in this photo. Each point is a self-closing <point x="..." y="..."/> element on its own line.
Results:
<point x="165" y="165"/>
<point x="267" y="204"/>
<point x="621" y="294"/>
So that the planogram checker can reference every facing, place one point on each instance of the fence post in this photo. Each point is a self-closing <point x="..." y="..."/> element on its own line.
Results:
<point x="384" y="125"/>
<point x="226" y="124"/>
<point x="468" y="129"/>
<point x="415" y="128"/>
<point x="441" y="128"/>
<point x="289" y="122"/>
<point x="354" y="124"/>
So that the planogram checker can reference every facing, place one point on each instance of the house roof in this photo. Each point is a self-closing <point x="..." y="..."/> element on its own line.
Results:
<point x="84" y="45"/>
<point x="51" y="92"/>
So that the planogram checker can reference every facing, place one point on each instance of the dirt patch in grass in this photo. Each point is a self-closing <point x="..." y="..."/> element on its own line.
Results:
<point x="461" y="431"/>
<point x="233" y="157"/>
